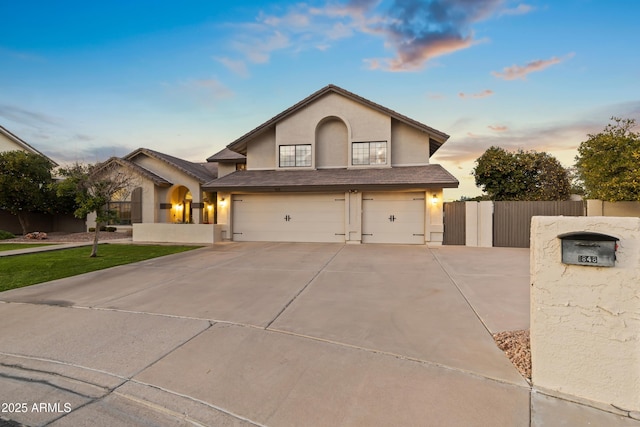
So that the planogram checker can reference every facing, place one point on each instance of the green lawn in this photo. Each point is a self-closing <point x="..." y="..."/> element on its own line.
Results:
<point x="12" y="246"/>
<point x="24" y="270"/>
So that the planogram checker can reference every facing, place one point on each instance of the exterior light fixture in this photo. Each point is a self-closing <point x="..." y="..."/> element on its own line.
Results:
<point x="223" y="202"/>
<point x="434" y="199"/>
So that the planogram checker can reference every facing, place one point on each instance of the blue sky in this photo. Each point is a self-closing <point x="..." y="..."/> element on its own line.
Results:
<point x="88" y="80"/>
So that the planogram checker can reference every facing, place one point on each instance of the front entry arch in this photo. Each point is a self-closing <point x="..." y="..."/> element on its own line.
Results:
<point x="181" y="205"/>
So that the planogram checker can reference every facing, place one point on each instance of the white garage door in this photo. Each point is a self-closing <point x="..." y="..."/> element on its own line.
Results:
<point x="393" y="218"/>
<point x="288" y="217"/>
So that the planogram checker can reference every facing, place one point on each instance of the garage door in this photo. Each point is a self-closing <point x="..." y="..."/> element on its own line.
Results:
<point x="393" y="218"/>
<point x="288" y="217"/>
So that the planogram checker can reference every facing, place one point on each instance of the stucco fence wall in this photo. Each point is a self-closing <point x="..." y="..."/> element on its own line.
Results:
<point x="585" y="320"/>
<point x="177" y="233"/>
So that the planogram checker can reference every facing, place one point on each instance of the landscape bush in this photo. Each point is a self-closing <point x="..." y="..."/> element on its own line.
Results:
<point x="6" y="235"/>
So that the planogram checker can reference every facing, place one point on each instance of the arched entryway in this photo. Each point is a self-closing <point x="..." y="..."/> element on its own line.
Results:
<point x="181" y="205"/>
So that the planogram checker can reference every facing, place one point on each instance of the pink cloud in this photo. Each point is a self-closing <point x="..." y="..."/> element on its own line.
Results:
<point x="498" y="128"/>
<point x="520" y="71"/>
<point x="484" y="94"/>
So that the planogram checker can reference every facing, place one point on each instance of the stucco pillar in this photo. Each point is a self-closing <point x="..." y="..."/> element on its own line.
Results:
<point x="585" y="320"/>
<point x="434" y="217"/>
<point x="595" y="207"/>
<point x="353" y="217"/>
<point x="224" y="215"/>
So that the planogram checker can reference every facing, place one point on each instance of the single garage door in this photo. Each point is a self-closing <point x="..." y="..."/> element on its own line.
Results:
<point x="393" y="218"/>
<point x="288" y="217"/>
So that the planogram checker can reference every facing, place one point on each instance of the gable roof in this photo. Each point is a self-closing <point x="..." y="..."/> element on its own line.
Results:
<point x="395" y="178"/>
<point x="436" y="137"/>
<point x="23" y="144"/>
<point x="156" y="179"/>
<point x="195" y="170"/>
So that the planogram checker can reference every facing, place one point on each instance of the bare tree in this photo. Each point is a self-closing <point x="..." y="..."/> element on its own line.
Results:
<point x="94" y="187"/>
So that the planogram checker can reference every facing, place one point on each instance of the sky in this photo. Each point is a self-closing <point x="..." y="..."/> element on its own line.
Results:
<point x="84" y="81"/>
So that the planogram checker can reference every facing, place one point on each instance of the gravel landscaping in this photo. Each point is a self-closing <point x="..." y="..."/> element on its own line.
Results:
<point x="60" y="237"/>
<point x="516" y="346"/>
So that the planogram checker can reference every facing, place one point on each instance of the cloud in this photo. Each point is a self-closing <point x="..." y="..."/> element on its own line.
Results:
<point x="520" y="71"/>
<point x="560" y="139"/>
<point x="521" y="9"/>
<point x="484" y="94"/>
<point x="420" y="30"/>
<point x="238" y="67"/>
<point x="26" y="117"/>
<point x="415" y="30"/>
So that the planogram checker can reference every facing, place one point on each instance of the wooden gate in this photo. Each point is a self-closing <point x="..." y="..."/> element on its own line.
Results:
<point x="454" y="223"/>
<point x="512" y="220"/>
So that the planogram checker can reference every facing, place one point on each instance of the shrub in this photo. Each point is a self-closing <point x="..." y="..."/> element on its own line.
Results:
<point x="92" y="229"/>
<point x="6" y="235"/>
<point x="111" y="229"/>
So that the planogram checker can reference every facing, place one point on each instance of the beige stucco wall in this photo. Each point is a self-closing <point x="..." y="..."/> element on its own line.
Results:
<point x="7" y="144"/>
<point x="363" y="124"/>
<point x="174" y="233"/>
<point x="409" y="146"/>
<point x="585" y="321"/>
<point x="261" y="152"/>
<point x="600" y="208"/>
<point x="226" y="169"/>
<point x="332" y="144"/>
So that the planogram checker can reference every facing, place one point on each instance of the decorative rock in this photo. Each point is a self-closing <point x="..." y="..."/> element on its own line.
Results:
<point x="36" y="235"/>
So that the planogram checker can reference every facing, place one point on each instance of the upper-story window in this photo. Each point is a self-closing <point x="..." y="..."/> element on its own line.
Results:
<point x="295" y="155"/>
<point x="369" y="153"/>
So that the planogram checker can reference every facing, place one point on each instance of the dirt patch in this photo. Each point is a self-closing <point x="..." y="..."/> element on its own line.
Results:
<point x="56" y="237"/>
<point x="516" y="346"/>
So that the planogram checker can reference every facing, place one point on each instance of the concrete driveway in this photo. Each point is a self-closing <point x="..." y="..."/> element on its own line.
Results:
<point x="277" y="334"/>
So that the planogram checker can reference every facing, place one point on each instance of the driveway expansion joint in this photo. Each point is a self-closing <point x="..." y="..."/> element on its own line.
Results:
<point x="320" y="270"/>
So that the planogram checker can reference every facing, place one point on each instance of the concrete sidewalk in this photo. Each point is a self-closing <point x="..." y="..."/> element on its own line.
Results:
<point x="279" y="334"/>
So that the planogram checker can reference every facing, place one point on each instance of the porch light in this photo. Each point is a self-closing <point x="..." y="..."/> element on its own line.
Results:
<point x="179" y="207"/>
<point x="434" y="199"/>
<point x="223" y="202"/>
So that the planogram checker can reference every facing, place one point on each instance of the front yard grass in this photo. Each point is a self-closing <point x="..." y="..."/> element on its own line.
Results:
<point x="13" y="246"/>
<point x="29" y="269"/>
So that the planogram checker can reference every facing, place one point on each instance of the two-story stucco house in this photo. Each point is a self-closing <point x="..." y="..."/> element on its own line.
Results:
<point x="334" y="167"/>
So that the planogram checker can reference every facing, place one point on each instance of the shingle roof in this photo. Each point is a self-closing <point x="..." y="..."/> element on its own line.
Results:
<point x="436" y="137"/>
<point x="227" y="156"/>
<point x="195" y="170"/>
<point x="409" y="177"/>
<point x="156" y="179"/>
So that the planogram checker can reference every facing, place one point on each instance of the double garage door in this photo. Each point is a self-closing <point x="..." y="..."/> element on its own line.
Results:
<point x="386" y="217"/>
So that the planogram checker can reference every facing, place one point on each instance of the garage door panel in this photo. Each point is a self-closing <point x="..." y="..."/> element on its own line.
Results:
<point x="288" y="217"/>
<point x="393" y="218"/>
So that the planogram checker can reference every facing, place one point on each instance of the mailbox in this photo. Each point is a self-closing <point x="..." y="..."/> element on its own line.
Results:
<point x="591" y="249"/>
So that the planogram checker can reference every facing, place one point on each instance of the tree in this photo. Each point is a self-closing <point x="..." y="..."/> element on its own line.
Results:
<point x="94" y="186"/>
<point x="25" y="185"/>
<point x="521" y="175"/>
<point x="608" y="163"/>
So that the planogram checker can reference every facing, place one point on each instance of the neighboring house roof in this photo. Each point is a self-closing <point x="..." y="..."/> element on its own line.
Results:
<point x="23" y="144"/>
<point x="436" y="137"/>
<point x="156" y="179"/>
<point x="195" y="170"/>
<point x="408" y="177"/>
<point x="227" y="156"/>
